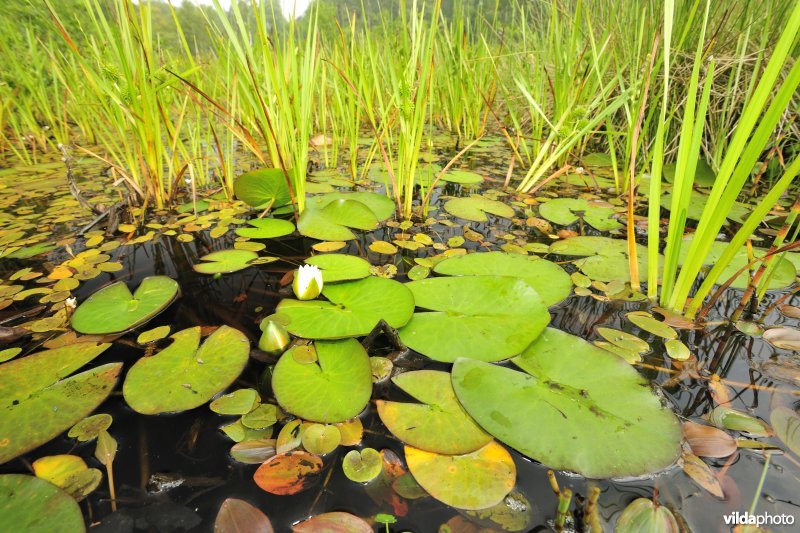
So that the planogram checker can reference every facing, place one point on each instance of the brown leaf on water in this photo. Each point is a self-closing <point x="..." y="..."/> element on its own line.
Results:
<point x="701" y="473"/>
<point x="238" y="516"/>
<point x="335" y="522"/>
<point x="708" y="441"/>
<point x="288" y="473"/>
<point x="719" y="391"/>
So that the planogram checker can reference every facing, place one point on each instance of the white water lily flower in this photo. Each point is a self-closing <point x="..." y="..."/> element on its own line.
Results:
<point x="72" y="303"/>
<point x="307" y="282"/>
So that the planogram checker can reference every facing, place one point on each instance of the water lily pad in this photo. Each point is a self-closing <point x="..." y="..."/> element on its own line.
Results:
<point x="362" y="466"/>
<point x="89" y="428"/>
<point x="624" y="340"/>
<point x="28" y="503"/>
<point x="39" y="401"/>
<point x="463" y="177"/>
<point x="677" y="350"/>
<point x="439" y="424"/>
<point x="476" y="480"/>
<point x="263" y="187"/>
<point x="783" y="275"/>
<point x="353" y="309"/>
<point x="69" y="473"/>
<point x="225" y="261"/>
<point x="566" y="211"/>
<point x="238" y="402"/>
<point x="266" y="228"/>
<point x="650" y="324"/>
<point x="152" y="335"/>
<point x="482" y="317"/>
<point x="340" y="267"/>
<point x="335" y="388"/>
<point x="644" y="515"/>
<point x="113" y="309"/>
<point x="186" y="375"/>
<point x="475" y="208"/>
<point x="288" y="473"/>
<point x="330" y="217"/>
<point x="603" y="258"/>
<point x="253" y="452"/>
<point x="571" y="397"/>
<point x="550" y="280"/>
<point x="320" y="439"/>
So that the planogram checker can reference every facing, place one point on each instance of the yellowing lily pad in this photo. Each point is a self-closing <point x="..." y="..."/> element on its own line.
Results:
<point x="288" y="473"/>
<point x="333" y="389"/>
<point x="186" y="375"/>
<point x="570" y="399"/>
<point x="481" y="317"/>
<point x="439" y="424"/>
<point x="113" y="309"/>
<point x="353" y="308"/>
<point x="476" y="480"/>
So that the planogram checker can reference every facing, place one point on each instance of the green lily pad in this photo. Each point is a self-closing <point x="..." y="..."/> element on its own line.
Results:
<point x="481" y="317"/>
<point x="333" y="389"/>
<point x="113" y="309"/>
<point x="623" y="339"/>
<point x="353" y="309"/>
<point x="266" y="228"/>
<point x="238" y="402"/>
<point x="330" y="217"/>
<point x="262" y="417"/>
<point x="566" y="211"/>
<point x="783" y="274"/>
<point x="603" y="258"/>
<point x="475" y="208"/>
<point x="439" y="424"/>
<point x="463" y="177"/>
<point x="650" y="324"/>
<point x="725" y="417"/>
<point x="575" y="407"/>
<point x="263" y="187"/>
<point x="704" y="175"/>
<point x="697" y="202"/>
<point x="320" y="439"/>
<point x="186" y="375"/>
<point x="89" y="428"/>
<point x="152" y="335"/>
<point x="39" y="402"/>
<point x="677" y="350"/>
<point x="362" y="466"/>
<point x="340" y="267"/>
<point x="225" y="261"/>
<point x="31" y="504"/>
<point x="476" y="480"/>
<point x="550" y="280"/>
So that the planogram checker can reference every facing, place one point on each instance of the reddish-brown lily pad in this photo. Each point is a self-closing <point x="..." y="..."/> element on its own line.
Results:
<point x="288" y="473"/>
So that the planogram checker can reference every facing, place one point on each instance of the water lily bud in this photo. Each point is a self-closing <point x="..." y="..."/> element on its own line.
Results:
<point x="274" y="338"/>
<point x="307" y="282"/>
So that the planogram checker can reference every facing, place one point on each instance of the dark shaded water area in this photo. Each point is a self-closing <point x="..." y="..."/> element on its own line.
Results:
<point x="173" y="472"/>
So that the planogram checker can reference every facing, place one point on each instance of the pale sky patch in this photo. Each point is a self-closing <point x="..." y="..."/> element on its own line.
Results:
<point x="288" y="7"/>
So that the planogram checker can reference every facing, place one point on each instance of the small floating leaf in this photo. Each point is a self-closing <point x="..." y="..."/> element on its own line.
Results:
<point x="362" y="466"/>
<point x="89" y="428"/>
<point x="708" y="441"/>
<point x="566" y="211"/>
<point x="695" y="468"/>
<point x="334" y="522"/>
<point x="624" y="340"/>
<point x="475" y="208"/>
<point x="731" y="419"/>
<point x="677" y="350"/>
<point x="238" y="402"/>
<point x="69" y="473"/>
<point x="473" y="481"/>
<point x="648" y="322"/>
<point x="253" y="451"/>
<point x="320" y="439"/>
<point x="783" y="337"/>
<point x="152" y="335"/>
<point x="266" y="228"/>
